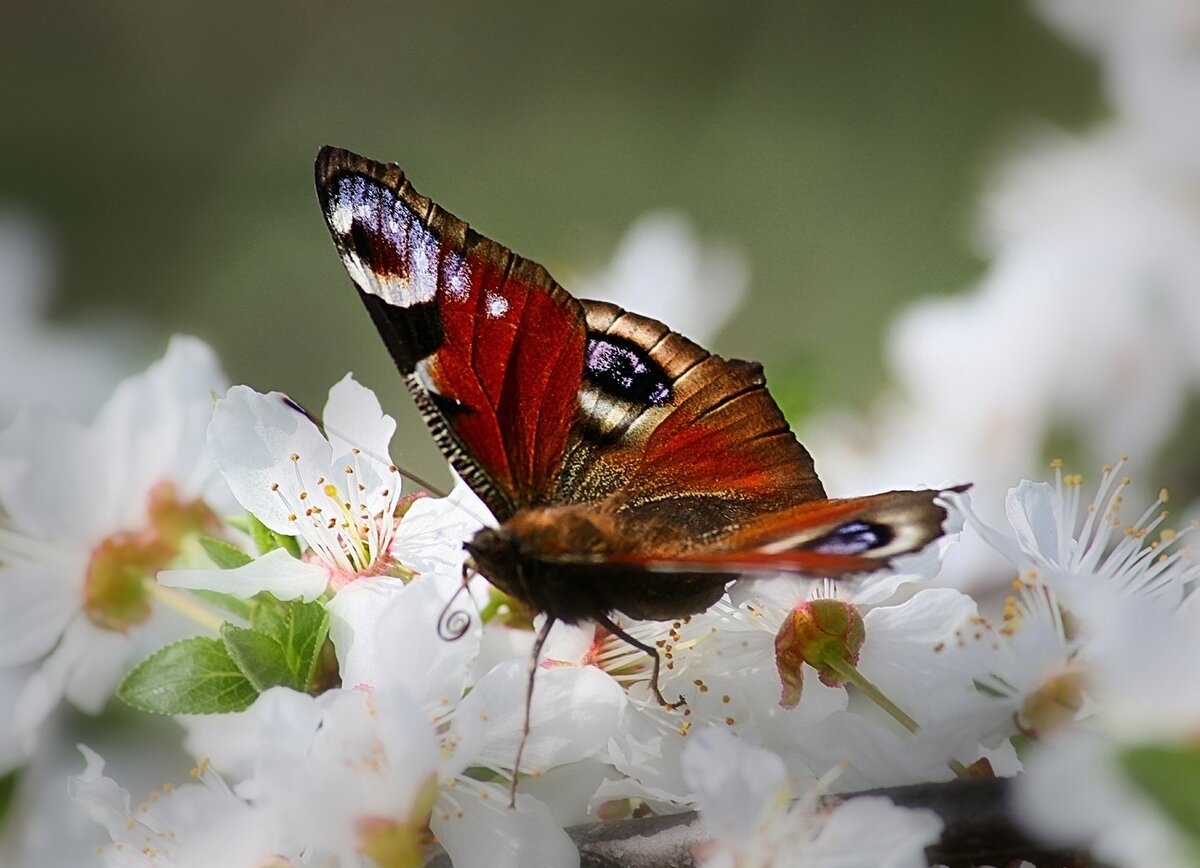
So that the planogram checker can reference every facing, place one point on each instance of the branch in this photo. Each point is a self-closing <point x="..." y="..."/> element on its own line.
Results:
<point x="979" y="830"/>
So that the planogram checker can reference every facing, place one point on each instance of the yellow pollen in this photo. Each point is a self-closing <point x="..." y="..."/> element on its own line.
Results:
<point x="295" y="456"/>
<point x="1167" y="535"/>
<point x="348" y="469"/>
<point x="356" y="451"/>
<point x="1125" y="480"/>
<point x="291" y="516"/>
<point x="330" y="490"/>
<point x="274" y="486"/>
<point x="1124" y="456"/>
<point x="1056" y="463"/>
<point x="1164" y="495"/>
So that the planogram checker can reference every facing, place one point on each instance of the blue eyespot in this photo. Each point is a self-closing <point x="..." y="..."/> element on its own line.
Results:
<point x="853" y="538"/>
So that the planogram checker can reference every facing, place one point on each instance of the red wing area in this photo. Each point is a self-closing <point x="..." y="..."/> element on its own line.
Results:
<point x="822" y="538"/>
<point x="491" y="347"/>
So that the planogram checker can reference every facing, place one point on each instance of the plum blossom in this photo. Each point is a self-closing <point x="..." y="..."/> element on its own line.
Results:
<point x="745" y="795"/>
<point x="1082" y="548"/>
<point x="336" y="490"/>
<point x="90" y="514"/>
<point x="195" y="825"/>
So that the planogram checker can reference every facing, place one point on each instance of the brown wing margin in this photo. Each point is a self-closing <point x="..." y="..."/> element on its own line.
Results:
<point x="489" y="345"/>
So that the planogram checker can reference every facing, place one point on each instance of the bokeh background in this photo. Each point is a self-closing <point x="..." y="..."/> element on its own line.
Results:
<point x="163" y="154"/>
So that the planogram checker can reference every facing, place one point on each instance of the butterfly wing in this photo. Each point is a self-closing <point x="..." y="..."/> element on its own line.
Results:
<point x="539" y="399"/>
<point x="491" y="348"/>
<point x="819" y="538"/>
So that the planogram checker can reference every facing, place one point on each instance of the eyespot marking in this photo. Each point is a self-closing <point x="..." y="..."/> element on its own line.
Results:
<point x="853" y="538"/>
<point x="625" y="371"/>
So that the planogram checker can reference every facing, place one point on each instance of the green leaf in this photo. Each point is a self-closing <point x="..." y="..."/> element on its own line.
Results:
<point x="223" y="554"/>
<point x="191" y="676"/>
<point x="260" y="657"/>
<point x="298" y="629"/>
<point x="8" y="793"/>
<point x="1170" y="776"/>
<point x="266" y="540"/>
<point x="231" y="604"/>
<point x="309" y="625"/>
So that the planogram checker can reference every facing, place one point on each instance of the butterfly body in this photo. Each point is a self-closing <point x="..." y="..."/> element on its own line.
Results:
<point x="629" y="469"/>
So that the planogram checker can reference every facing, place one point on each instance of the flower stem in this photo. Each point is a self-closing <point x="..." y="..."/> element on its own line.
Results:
<point x="184" y="605"/>
<point x="850" y="674"/>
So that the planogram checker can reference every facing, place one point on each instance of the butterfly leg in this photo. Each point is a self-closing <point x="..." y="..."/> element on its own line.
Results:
<point x="537" y="650"/>
<point x="607" y="622"/>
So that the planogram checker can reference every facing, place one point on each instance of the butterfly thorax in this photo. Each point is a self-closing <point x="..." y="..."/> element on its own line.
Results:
<point x="564" y="561"/>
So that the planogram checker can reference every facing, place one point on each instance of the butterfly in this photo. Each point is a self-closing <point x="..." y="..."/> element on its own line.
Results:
<point x="629" y="469"/>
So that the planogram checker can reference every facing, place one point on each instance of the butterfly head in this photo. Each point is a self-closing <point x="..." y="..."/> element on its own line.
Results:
<point x="495" y="553"/>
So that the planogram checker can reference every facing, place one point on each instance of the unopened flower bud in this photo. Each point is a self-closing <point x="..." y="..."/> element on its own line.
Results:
<point x="819" y="633"/>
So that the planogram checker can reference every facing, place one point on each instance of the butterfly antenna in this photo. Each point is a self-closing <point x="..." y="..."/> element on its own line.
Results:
<point x="453" y="623"/>
<point x="533" y="667"/>
<point x="607" y="622"/>
<point x="381" y="459"/>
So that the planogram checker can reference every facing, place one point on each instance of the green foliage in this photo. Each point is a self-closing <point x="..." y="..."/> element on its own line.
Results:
<point x="266" y="540"/>
<point x="281" y="646"/>
<point x="1170" y="777"/>
<point x="8" y="793"/>
<point x="191" y="676"/>
<point x="225" y="555"/>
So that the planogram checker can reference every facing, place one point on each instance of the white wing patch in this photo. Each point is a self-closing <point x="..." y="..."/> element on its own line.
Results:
<point x="410" y="275"/>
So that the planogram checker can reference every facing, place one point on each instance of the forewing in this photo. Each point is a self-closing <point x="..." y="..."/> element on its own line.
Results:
<point x="491" y="348"/>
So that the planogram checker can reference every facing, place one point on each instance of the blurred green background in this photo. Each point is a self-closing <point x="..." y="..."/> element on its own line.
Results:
<point x="167" y="148"/>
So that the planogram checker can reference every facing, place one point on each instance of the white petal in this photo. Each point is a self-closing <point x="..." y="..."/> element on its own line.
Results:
<point x="35" y="607"/>
<point x="105" y="802"/>
<point x="1033" y="510"/>
<point x="410" y="653"/>
<point x="483" y="831"/>
<point x="353" y="419"/>
<point x="356" y="610"/>
<point x="871" y="832"/>
<point x="735" y="783"/>
<point x="252" y="438"/>
<point x="52" y="485"/>
<point x="276" y="572"/>
<point x="153" y="428"/>
<point x="85" y="650"/>
<point x="575" y="712"/>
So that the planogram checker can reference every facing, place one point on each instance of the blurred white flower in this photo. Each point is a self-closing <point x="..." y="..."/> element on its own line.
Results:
<point x="662" y="269"/>
<point x="89" y="515"/>
<point x="195" y="825"/>
<point x="744" y="804"/>
<point x="74" y="367"/>
<point x="1113" y="781"/>
<point x="1089" y="303"/>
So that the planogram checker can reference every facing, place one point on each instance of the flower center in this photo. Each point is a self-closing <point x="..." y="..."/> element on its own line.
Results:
<point x="115" y="593"/>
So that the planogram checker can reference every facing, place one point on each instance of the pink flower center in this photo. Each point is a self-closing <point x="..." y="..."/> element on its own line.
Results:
<point x="114" y="590"/>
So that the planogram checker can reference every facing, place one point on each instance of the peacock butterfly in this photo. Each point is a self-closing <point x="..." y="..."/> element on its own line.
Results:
<point x="629" y="469"/>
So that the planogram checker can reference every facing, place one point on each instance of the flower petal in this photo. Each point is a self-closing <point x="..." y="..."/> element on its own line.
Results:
<point x="276" y="572"/>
